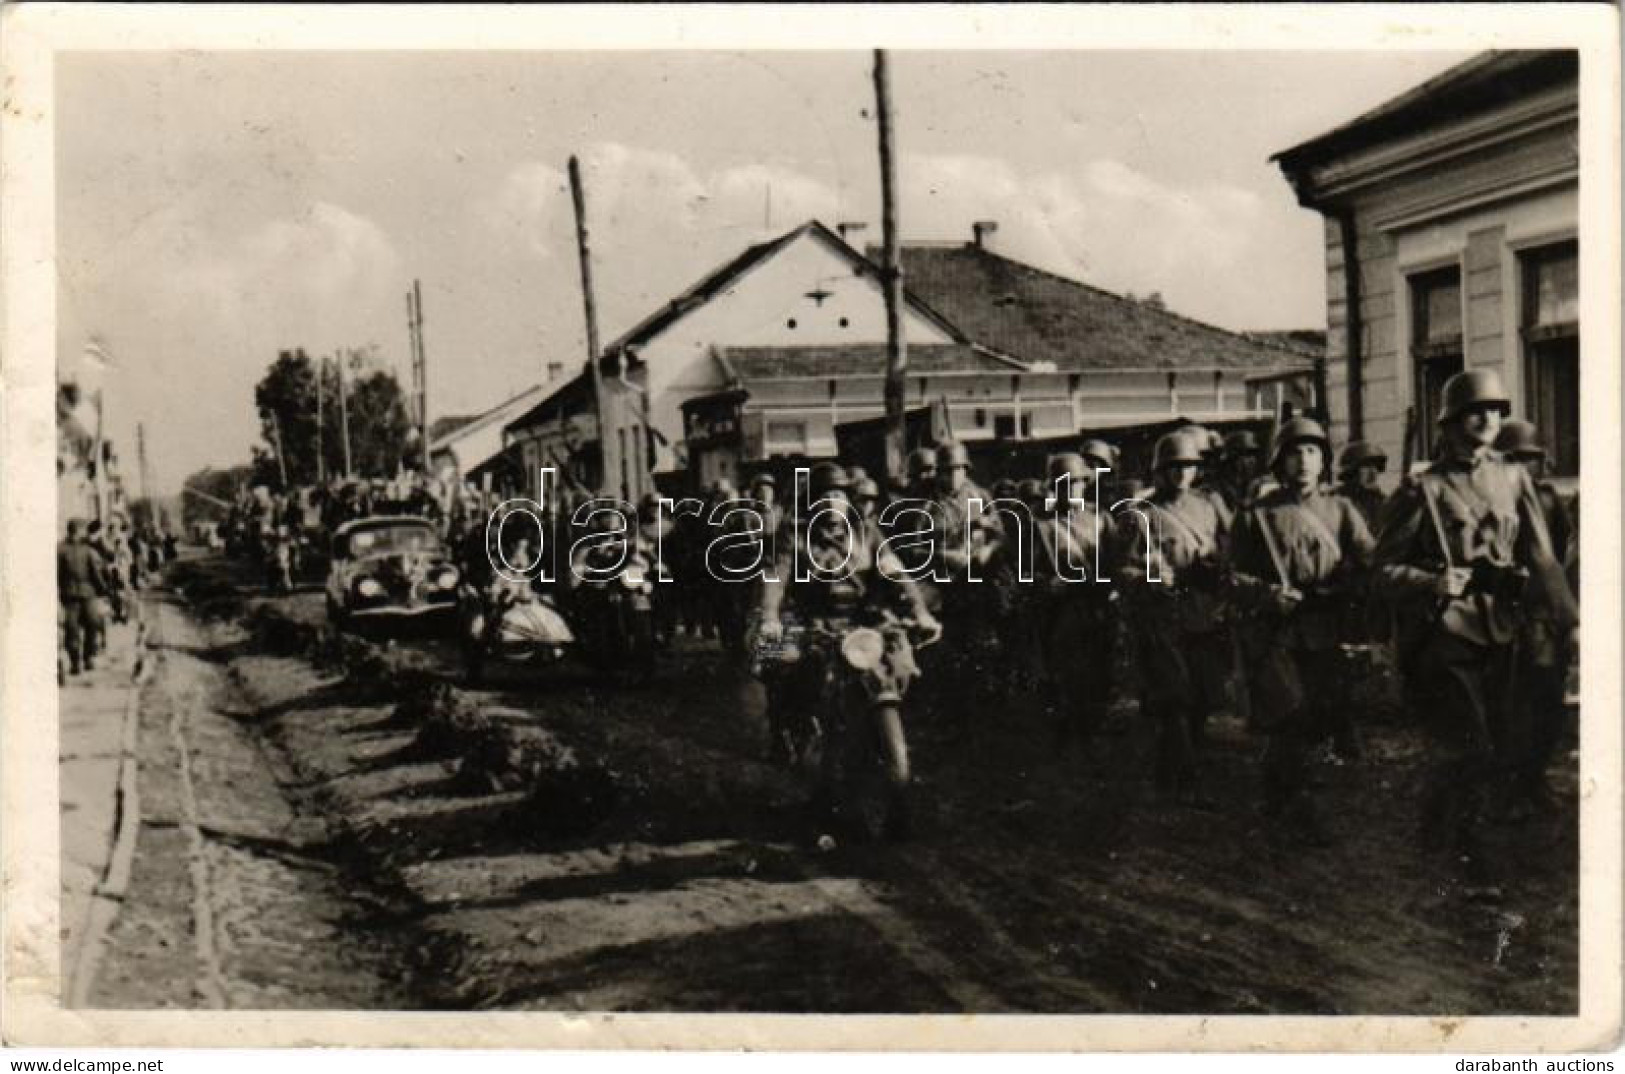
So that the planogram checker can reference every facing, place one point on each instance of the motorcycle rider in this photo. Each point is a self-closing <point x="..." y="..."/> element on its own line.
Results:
<point x="829" y="572"/>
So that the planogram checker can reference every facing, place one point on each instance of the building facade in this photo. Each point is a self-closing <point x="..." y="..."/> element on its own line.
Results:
<point x="1452" y="242"/>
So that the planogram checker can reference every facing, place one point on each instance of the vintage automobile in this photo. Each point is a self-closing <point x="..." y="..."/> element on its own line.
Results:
<point x="390" y="567"/>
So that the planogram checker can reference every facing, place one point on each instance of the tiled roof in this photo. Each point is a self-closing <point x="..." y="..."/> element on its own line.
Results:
<point x="1037" y="316"/>
<point x="745" y="364"/>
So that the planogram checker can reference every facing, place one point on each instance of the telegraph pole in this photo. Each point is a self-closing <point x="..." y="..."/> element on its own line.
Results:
<point x="344" y="410"/>
<point x="420" y="367"/>
<point x="141" y="463"/>
<point x="281" y="459"/>
<point x="607" y="448"/>
<point x="321" y="457"/>
<point x="891" y="272"/>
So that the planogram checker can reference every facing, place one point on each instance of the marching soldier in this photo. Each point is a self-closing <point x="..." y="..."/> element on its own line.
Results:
<point x="922" y="474"/>
<point x="81" y="580"/>
<point x="1295" y="552"/>
<point x="1359" y="474"/>
<point x="967" y="539"/>
<point x="1464" y="552"/>
<point x="1174" y="567"/>
<point x="1544" y="653"/>
<point x="1075" y="615"/>
<point x="760" y="520"/>
<point x="866" y="498"/>
<point x="1240" y="469"/>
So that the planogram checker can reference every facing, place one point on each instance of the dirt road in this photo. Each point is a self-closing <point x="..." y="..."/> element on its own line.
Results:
<point x="1038" y="880"/>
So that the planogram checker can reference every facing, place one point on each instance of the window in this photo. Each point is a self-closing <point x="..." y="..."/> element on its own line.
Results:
<point x="1551" y="351"/>
<point x="1436" y="353"/>
<point x="786" y="438"/>
<point x="1004" y="427"/>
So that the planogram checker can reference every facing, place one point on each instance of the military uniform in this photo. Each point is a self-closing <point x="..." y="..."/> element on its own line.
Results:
<point x="1074" y="613"/>
<point x="1471" y="509"/>
<point x="1543" y="648"/>
<point x="81" y="580"/>
<point x="972" y="603"/>
<point x="845" y="584"/>
<point x="1316" y="545"/>
<point x="1176" y="616"/>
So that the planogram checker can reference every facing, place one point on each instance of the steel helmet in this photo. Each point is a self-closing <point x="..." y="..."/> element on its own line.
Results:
<point x="1356" y="453"/>
<point x="1241" y="442"/>
<point x="1004" y="487"/>
<point x="864" y="488"/>
<point x="1032" y="491"/>
<point x="1181" y="445"/>
<point x="951" y="453"/>
<point x="1475" y="387"/>
<point x="1067" y="464"/>
<point x="855" y="473"/>
<point x="764" y="478"/>
<point x="1518" y="437"/>
<point x="1296" y="431"/>
<point x="922" y="461"/>
<point x="827" y="477"/>
<point x="1103" y="454"/>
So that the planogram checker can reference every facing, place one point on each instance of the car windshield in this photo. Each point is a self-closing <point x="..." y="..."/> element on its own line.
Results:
<point x="388" y="540"/>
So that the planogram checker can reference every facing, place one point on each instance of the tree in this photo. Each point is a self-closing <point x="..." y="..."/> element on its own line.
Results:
<point x="380" y="426"/>
<point x="221" y="485"/>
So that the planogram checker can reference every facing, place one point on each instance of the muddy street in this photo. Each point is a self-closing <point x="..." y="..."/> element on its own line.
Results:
<point x="333" y="825"/>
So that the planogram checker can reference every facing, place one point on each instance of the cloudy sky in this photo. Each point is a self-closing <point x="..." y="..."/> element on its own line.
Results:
<point x="215" y="207"/>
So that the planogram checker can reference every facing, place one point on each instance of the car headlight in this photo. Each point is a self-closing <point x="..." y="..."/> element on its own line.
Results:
<point x="369" y="587"/>
<point x="446" y="579"/>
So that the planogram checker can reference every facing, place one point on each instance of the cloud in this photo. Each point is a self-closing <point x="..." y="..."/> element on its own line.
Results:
<point x="194" y="310"/>
<point x="655" y="222"/>
<point x="1102" y="222"/>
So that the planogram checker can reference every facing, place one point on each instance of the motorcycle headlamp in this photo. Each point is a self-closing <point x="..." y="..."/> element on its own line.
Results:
<point x="863" y="648"/>
<point x="369" y="587"/>
<point x="446" y="578"/>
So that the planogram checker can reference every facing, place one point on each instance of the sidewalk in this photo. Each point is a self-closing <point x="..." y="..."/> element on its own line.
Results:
<point x="97" y="774"/>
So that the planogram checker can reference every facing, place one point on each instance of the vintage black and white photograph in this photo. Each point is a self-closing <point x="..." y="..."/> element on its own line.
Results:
<point x="844" y="531"/>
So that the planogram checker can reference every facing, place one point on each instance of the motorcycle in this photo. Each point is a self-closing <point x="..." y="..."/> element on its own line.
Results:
<point x="617" y="616"/>
<point x="853" y="749"/>
<point x="517" y="626"/>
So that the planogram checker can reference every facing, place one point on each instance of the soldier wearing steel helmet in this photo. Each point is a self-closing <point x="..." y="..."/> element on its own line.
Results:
<point x="1173" y="568"/>
<point x="828" y="570"/>
<point x="1464" y="551"/>
<point x="1359" y="478"/>
<point x="921" y="471"/>
<point x="969" y="585"/>
<point x="1074" y="613"/>
<point x="1296" y="552"/>
<point x="1543" y="648"/>
<point x="1240" y="467"/>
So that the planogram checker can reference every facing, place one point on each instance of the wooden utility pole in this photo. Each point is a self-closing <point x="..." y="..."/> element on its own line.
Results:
<point x="608" y="451"/>
<point x="420" y="367"/>
<point x="281" y="459"/>
<point x="339" y="358"/>
<point x="321" y="457"/>
<point x="99" y="461"/>
<point x="891" y="271"/>
<point x="141" y="464"/>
